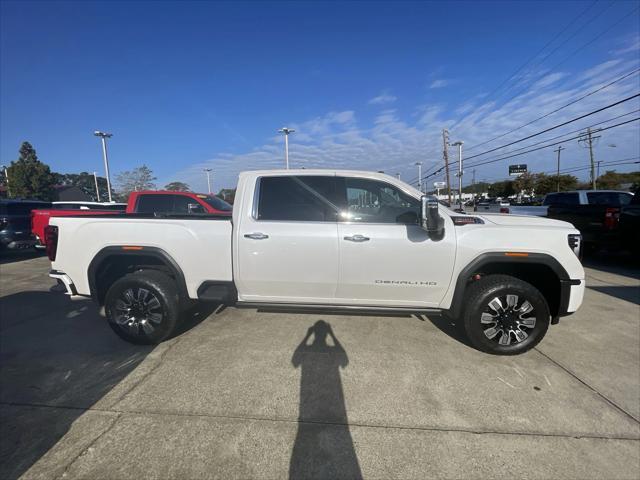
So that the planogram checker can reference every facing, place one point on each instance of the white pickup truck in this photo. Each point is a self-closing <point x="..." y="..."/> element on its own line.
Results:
<point x="320" y="239"/>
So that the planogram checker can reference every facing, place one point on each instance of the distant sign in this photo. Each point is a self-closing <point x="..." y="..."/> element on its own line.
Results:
<point x="517" y="169"/>
<point x="439" y="184"/>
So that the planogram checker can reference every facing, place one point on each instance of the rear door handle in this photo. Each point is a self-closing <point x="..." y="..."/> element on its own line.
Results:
<point x="357" y="238"/>
<point x="256" y="236"/>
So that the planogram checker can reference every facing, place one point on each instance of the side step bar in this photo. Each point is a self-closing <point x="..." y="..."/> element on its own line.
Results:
<point x="335" y="308"/>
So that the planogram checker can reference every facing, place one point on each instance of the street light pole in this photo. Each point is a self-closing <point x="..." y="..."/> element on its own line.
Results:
<point x="95" y="179"/>
<point x="419" y="164"/>
<point x="103" y="136"/>
<point x="459" y="145"/>
<point x="207" y="170"/>
<point x="286" y="132"/>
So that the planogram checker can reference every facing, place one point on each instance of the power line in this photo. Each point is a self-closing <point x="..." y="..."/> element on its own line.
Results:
<point x="620" y="20"/>
<point x="541" y="50"/>
<point x="611" y="105"/>
<point x="619" y="79"/>
<point x="551" y="144"/>
<point x="571" y="132"/>
<point x="535" y="149"/>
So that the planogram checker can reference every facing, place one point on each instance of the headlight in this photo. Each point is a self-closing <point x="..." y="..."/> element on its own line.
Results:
<point x="575" y="243"/>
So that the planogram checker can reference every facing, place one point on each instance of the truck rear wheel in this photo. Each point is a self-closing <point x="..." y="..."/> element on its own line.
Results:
<point x="505" y="315"/>
<point x="143" y="307"/>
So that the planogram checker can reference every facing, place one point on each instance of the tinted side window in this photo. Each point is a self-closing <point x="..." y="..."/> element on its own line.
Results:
<point x="303" y="198"/>
<point x="181" y="205"/>
<point x="608" y="198"/>
<point x="155" y="203"/>
<point x="372" y="201"/>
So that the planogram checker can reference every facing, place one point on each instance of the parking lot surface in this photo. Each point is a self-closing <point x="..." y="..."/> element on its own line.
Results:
<point x="248" y="394"/>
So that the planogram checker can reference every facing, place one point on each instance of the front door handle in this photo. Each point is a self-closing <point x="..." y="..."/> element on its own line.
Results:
<point x="357" y="238"/>
<point x="256" y="236"/>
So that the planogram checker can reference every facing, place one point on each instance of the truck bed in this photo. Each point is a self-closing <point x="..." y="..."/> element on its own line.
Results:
<point x="199" y="244"/>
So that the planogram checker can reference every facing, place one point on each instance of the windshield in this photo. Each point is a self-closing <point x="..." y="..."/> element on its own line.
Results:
<point x="217" y="203"/>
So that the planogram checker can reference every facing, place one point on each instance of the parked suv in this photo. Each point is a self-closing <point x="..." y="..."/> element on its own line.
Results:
<point x="15" y="223"/>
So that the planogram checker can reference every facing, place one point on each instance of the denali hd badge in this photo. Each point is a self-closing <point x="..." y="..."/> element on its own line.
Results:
<point x="406" y="282"/>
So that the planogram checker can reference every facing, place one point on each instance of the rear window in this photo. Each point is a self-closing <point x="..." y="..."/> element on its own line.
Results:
<point x="570" y="198"/>
<point x="301" y="199"/>
<point x="609" y="198"/>
<point x="155" y="203"/>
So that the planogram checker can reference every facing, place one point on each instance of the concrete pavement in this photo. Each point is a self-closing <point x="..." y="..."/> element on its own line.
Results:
<point x="239" y="394"/>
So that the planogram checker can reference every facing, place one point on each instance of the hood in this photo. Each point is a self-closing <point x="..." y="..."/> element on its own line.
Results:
<point x="524" y="221"/>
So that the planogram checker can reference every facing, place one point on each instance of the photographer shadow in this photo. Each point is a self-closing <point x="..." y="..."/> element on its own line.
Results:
<point x="323" y="447"/>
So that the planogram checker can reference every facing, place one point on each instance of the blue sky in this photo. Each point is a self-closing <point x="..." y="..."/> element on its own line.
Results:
<point x="188" y="85"/>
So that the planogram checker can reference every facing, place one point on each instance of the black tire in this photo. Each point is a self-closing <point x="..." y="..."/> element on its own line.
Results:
<point x="139" y="317"/>
<point x="512" y="328"/>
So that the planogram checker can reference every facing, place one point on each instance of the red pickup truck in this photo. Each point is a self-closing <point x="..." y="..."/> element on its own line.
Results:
<point x="147" y="201"/>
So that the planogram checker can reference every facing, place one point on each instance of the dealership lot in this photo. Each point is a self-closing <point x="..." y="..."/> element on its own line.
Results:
<point x="238" y="395"/>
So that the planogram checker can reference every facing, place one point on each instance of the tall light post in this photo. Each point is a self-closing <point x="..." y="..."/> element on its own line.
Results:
<point x="419" y="165"/>
<point x="459" y="145"/>
<point x="103" y="136"/>
<point x="207" y="170"/>
<point x="95" y="179"/>
<point x="286" y="132"/>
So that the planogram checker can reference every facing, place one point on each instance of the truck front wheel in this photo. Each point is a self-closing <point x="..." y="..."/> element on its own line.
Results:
<point x="505" y="315"/>
<point x="143" y="307"/>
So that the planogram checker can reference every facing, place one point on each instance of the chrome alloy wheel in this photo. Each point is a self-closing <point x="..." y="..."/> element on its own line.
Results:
<point x="508" y="319"/>
<point x="138" y="308"/>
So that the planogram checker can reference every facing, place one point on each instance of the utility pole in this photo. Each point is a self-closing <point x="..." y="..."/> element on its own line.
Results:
<point x="588" y="140"/>
<point x="445" y="153"/>
<point x="207" y="170"/>
<point x="558" y="150"/>
<point x="460" y="172"/>
<point x="103" y="136"/>
<point x="419" y="164"/>
<point x="598" y="169"/>
<point x="95" y="179"/>
<point x="286" y="132"/>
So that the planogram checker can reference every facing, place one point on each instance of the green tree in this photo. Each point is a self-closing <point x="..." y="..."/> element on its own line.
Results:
<point x="140" y="178"/>
<point x="501" y="189"/>
<point x="549" y="183"/>
<point x="612" y="180"/>
<point x="524" y="184"/>
<point x="29" y="177"/>
<point x="85" y="182"/>
<point x="177" y="187"/>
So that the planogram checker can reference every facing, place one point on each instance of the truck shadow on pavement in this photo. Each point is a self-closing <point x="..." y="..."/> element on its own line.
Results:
<point x="323" y="446"/>
<point x="59" y="357"/>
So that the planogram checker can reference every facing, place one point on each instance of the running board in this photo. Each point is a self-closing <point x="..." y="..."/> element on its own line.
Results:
<point x="334" y="308"/>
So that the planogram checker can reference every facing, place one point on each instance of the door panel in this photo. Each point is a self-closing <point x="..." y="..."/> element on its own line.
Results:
<point x="298" y="261"/>
<point x="288" y="250"/>
<point x="386" y="258"/>
<point x="399" y="265"/>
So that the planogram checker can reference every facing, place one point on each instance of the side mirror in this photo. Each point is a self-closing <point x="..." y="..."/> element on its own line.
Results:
<point x="430" y="219"/>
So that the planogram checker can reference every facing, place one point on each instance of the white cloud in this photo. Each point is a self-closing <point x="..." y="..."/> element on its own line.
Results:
<point x="384" y="97"/>
<point x="439" y="83"/>
<point x="393" y="140"/>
